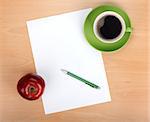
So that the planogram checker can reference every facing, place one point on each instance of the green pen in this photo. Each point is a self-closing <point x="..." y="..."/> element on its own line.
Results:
<point x="80" y="79"/>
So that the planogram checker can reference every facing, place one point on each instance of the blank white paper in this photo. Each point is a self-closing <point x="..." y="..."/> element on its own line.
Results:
<point x="58" y="43"/>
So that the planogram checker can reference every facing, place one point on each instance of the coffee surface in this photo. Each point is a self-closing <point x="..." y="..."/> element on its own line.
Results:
<point x="109" y="27"/>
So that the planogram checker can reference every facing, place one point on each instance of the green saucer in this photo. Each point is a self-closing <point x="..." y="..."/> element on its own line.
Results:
<point x="97" y="43"/>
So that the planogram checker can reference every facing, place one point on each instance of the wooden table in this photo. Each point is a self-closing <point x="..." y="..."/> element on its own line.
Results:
<point x="127" y="69"/>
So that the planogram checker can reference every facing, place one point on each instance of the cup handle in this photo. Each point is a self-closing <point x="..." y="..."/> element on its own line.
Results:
<point x="129" y="29"/>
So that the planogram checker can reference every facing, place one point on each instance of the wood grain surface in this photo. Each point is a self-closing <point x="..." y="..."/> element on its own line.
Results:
<point x="127" y="69"/>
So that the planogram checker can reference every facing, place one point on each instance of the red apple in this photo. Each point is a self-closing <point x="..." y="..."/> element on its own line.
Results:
<point x="31" y="86"/>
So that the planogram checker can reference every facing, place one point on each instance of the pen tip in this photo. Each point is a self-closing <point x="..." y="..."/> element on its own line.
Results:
<point x="64" y="71"/>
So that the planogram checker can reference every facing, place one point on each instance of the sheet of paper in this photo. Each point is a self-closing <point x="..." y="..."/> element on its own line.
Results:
<point x="58" y="43"/>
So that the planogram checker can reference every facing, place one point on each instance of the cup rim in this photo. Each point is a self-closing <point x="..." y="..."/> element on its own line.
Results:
<point x="106" y="13"/>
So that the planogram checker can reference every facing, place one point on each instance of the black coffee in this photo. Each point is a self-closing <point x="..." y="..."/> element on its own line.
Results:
<point x="109" y="27"/>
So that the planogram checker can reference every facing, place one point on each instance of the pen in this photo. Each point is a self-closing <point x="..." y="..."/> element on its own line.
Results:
<point x="80" y="79"/>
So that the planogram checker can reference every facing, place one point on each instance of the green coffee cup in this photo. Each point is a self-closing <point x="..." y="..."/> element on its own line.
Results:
<point x="107" y="28"/>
